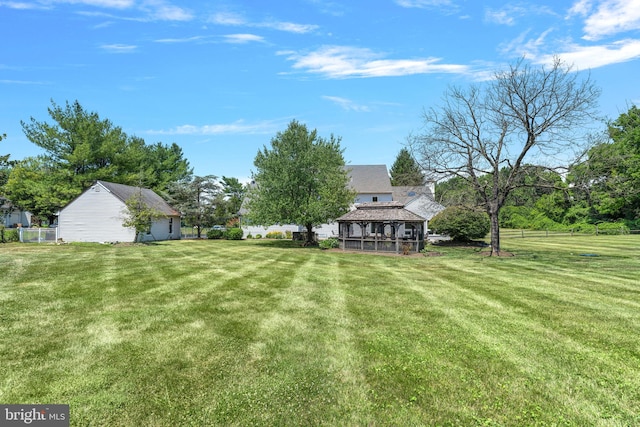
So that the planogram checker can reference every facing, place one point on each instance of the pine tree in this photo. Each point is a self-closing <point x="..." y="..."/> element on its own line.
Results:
<point x="406" y="171"/>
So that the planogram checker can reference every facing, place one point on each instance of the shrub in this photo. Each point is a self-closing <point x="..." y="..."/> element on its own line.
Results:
<point x="612" y="228"/>
<point x="275" y="235"/>
<point x="461" y="224"/>
<point x="249" y="236"/>
<point x="258" y="236"/>
<point x="8" y="235"/>
<point x="215" y="234"/>
<point x="234" y="234"/>
<point x="288" y="234"/>
<point x="329" y="243"/>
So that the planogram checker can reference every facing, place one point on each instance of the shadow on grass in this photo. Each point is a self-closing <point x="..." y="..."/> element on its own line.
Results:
<point x="280" y="243"/>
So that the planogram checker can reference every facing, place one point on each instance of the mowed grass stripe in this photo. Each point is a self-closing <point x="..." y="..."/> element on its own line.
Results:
<point x="267" y="333"/>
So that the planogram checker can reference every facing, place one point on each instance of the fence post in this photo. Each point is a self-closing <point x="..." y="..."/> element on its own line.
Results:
<point x="522" y="232"/>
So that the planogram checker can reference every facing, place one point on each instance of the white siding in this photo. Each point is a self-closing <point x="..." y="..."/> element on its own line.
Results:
<point x="258" y="229"/>
<point x="369" y="197"/>
<point x="160" y="230"/>
<point x="95" y="216"/>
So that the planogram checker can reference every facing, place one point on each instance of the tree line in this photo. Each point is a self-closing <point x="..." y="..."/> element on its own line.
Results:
<point x="489" y="144"/>
<point x="81" y="148"/>
<point x="601" y="187"/>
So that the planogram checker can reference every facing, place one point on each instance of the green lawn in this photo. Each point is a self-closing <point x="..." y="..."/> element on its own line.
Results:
<point x="265" y="333"/>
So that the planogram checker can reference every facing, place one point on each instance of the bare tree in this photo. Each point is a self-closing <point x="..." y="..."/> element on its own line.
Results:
<point x="486" y="133"/>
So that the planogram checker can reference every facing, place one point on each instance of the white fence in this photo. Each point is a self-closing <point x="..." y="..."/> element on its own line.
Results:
<point x="38" y="235"/>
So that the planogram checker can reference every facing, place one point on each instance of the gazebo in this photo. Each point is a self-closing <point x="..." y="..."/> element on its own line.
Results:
<point x="381" y="227"/>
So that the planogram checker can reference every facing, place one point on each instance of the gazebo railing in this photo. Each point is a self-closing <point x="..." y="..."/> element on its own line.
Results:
<point x="380" y="245"/>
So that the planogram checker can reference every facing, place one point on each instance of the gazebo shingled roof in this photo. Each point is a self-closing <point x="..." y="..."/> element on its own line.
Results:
<point x="381" y="212"/>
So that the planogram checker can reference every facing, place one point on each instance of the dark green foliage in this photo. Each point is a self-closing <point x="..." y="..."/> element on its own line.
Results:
<point x="139" y="215"/>
<point x="5" y="168"/>
<point x="8" y="235"/>
<point x="523" y="112"/>
<point x="461" y="223"/>
<point x="233" y="234"/>
<point x="608" y="181"/>
<point x="230" y="198"/>
<point x="195" y="198"/>
<point x="301" y="179"/>
<point x="215" y="234"/>
<point x="81" y="148"/>
<point x="329" y="243"/>
<point x="406" y="171"/>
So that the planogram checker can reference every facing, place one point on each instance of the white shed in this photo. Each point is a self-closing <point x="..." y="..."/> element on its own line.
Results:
<point x="97" y="215"/>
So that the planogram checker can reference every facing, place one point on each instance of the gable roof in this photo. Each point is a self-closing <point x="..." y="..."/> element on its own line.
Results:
<point x="381" y="211"/>
<point x="149" y="197"/>
<point x="369" y="178"/>
<point x="407" y="193"/>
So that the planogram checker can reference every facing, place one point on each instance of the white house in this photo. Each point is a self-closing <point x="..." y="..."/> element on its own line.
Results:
<point x="419" y="200"/>
<point x="97" y="215"/>
<point x="372" y="185"/>
<point x="11" y="216"/>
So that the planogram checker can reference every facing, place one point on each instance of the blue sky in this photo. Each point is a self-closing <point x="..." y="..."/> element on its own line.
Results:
<point x="220" y="78"/>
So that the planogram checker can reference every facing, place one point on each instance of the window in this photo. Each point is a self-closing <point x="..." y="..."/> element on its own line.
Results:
<point x="170" y="225"/>
<point x="375" y="198"/>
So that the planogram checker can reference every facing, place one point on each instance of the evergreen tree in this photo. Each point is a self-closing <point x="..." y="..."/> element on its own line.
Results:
<point x="406" y="171"/>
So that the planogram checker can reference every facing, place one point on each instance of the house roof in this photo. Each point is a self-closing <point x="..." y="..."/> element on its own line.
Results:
<point x="369" y="178"/>
<point x="407" y="193"/>
<point x="381" y="211"/>
<point x="149" y="197"/>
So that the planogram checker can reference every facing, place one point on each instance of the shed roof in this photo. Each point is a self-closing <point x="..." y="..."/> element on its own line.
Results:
<point x="149" y="197"/>
<point x="369" y="178"/>
<point x="381" y="212"/>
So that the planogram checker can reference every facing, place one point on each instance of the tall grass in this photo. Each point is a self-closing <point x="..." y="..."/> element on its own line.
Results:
<point x="267" y="333"/>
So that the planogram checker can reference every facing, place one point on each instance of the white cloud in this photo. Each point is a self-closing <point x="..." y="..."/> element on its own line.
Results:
<point x="22" y="82"/>
<point x="243" y="38"/>
<point x="160" y="11"/>
<point x="353" y="62"/>
<point x="119" y="48"/>
<point x="289" y="27"/>
<point x="237" y="127"/>
<point x="234" y="19"/>
<point x="509" y="14"/>
<point x="347" y="104"/>
<point x="611" y="17"/>
<point x="21" y="5"/>
<point x="155" y="10"/>
<point x="111" y="4"/>
<point x="581" y="7"/>
<point x="181" y="40"/>
<point x="423" y="4"/>
<point x="226" y="18"/>
<point x="584" y="57"/>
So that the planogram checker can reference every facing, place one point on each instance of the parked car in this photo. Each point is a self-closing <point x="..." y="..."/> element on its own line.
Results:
<point x="219" y="227"/>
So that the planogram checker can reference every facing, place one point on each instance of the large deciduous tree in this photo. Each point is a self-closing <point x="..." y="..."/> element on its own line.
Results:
<point x="301" y="179"/>
<point x="608" y="180"/>
<point x="485" y="134"/>
<point x="406" y="171"/>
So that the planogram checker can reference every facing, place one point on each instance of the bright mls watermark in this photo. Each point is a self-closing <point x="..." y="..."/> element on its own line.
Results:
<point x="34" y="415"/>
